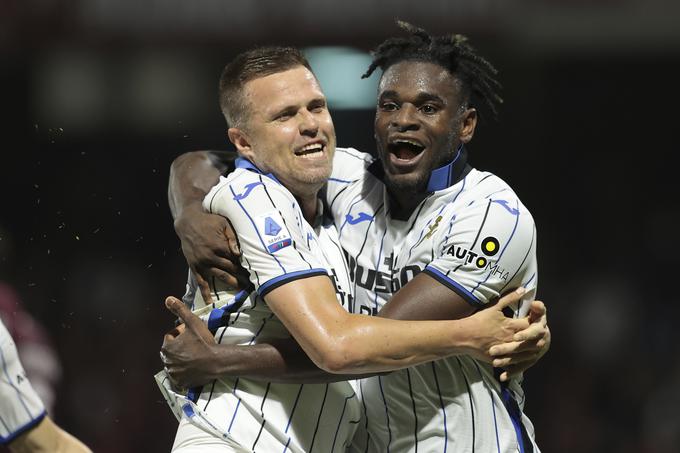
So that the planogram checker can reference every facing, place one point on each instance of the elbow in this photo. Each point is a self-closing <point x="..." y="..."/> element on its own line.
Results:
<point x="338" y="357"/>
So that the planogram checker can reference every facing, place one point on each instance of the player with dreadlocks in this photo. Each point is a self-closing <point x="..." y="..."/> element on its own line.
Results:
<point x="421" y="221"/>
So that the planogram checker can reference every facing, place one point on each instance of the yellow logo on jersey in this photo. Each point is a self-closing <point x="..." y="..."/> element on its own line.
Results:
<point x="433" y="228"/>
<point x="490" y="246"/>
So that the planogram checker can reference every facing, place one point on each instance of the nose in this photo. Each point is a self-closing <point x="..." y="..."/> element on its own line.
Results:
<point x="309" y="125"/>
<point x="405" y="119"/>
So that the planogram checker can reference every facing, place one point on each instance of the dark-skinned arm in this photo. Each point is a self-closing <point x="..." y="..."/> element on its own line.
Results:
<point x="423" y="298"/>
<point x="208" y="244"/>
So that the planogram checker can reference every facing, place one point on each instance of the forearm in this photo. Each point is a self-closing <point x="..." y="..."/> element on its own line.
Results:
<point x="192" y="175"/>
<point x="389" y="345"/>
<point x="344" y="343"/>
<point x="47" y="437"/>
<point x="282" y="362"/>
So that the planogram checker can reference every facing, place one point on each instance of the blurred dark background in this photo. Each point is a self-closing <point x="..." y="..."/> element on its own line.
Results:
<point x="99" y="96"/>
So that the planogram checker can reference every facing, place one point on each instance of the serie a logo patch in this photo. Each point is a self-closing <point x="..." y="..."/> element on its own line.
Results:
<point x="273" y="231"/>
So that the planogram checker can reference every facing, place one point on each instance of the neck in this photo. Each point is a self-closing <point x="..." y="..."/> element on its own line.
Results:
<point x="402" y="204"/>
<point x="308" y="204"/>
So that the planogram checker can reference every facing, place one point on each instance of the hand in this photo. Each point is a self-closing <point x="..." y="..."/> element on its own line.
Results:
<point x="492" y="327"/>
<point x="527" y="347"/>
<point x="188" y="351"/>
<point x="210" y="248"/>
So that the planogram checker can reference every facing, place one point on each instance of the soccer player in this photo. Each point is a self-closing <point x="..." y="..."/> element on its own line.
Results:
<point x="280" y="124"/>
<point x="24" y="424"/>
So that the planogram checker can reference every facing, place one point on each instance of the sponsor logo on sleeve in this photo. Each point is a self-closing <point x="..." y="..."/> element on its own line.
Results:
<point x="273" y="231"/>
<point x="489" y="248"/>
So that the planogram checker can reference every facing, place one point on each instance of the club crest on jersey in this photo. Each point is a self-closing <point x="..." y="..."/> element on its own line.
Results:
<point x="489" y="247"/>
<point x="273" y="231"/>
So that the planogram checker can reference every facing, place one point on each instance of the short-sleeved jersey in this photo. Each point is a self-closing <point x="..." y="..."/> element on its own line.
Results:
<point x="277" y="246"/>
<point x="473" y="235"/>
<point x="20" y="407"/>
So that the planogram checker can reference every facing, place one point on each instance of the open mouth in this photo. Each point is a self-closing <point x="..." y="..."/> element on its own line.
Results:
<point x="311" y="151"/>
<point x="405" y="149"/>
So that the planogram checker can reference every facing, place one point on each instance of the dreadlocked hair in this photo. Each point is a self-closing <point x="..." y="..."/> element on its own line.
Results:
<point x="476" y="74"/>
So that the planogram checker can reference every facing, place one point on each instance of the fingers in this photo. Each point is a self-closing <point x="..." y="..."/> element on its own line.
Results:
<point x="231" y="239"/>
<point x="538" y="312"/>
<point x="174" y="333"/>
<point x="228" y="279"/>
<point x="538" y="308"/>
<point x="535" y="331"/>
<point x="514" y="371"/>
<point x="203" y="286"/>
<point x="180" y="310"/>
<point x="520" y="357"/>
<point x="516" y="325"/>
<point x="510" y="298"/>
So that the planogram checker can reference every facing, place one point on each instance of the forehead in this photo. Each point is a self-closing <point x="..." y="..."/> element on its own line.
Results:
<point x="292" y="87"/>
<point x="414" y="77"/>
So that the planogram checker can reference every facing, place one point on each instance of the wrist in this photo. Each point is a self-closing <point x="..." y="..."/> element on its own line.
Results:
<point x="220" y="361"/>
<point x="464" y="336"/>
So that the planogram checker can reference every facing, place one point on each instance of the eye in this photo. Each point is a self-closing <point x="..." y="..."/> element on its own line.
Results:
<point x="317" y="107"/>
<point x="283" y="116"/>
<point x="429" y="109"/>
<point x="388" y="106"/>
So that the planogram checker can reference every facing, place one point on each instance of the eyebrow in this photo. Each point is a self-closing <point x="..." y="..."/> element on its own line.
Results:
<point x="292" y="108"/>
<point x="421" y="98"/>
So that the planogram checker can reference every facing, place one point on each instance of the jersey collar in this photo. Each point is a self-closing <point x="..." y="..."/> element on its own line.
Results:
<point x="440" y="178"/>
<point x="451" y="173"/>
<point x="242" y="162"/>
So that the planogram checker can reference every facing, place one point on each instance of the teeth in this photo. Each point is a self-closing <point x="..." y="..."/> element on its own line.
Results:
<point x="409" y="142"/>
<point x="312" y="147"/>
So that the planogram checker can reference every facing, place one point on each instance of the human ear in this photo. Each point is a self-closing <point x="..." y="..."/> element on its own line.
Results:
<point x="468" y="125"/>
<point x="241" y="141"/>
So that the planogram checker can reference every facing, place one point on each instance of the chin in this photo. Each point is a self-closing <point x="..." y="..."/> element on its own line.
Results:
<point x="314" y="176"/>
<point x="410" y="183"/>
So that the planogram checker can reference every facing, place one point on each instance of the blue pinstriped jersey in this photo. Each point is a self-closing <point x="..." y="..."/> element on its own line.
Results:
<point x="278" y="246"/>
<point x="20" y="407"/>
<point x="473" y="235"/>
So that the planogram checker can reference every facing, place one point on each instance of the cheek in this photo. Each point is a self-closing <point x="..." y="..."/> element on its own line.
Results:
<point x="380" y="124"/>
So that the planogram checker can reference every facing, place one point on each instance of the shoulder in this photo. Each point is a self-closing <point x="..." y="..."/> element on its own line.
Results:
<point x="485" y="189"/>
<point x="349" y="161"/>
<point x="245" y="186"/>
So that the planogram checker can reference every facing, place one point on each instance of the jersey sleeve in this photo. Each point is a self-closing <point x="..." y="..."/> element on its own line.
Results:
<point x="273" y="236"/>
<point x="486" y="249"/>
<point x="20" y="407"/>
<point x="349" y="166"/>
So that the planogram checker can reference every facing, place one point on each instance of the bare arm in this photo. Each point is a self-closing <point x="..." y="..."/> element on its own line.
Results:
<point x="47" y="437"/>
<point x="193" y="358"/>
<point x="191" y="177"/>
<point x="208" y="243"/>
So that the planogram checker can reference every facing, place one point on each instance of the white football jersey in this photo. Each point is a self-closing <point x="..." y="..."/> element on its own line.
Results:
<point x="20" y="407"/>
<point x="278" y="246"/>
<point x="473" y="235"/>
